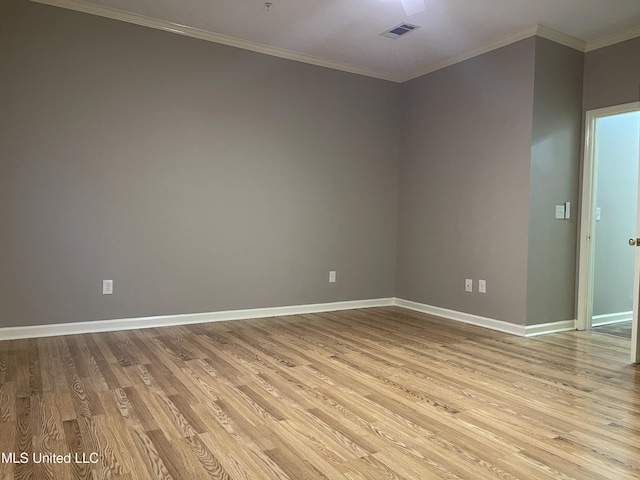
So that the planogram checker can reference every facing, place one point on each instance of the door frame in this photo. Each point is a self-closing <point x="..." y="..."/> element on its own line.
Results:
<point x="586" y="236"/>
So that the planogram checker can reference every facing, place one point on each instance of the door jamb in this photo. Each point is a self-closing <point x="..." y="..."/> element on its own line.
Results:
<point x="586" y="235"/>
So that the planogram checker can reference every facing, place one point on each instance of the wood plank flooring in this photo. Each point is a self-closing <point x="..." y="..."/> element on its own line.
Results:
<point x="381" y="393"/>
<point x="622" y="329"/>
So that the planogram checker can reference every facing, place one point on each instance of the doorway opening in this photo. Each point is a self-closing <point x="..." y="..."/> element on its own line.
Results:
<point x="608" y="279"/>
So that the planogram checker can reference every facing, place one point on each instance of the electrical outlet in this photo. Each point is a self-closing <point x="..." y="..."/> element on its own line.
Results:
<point x="332" y="276"/>
<point x="482" y="286"/>
<point x="107" y="287"/>
<point x="468" y="285"/>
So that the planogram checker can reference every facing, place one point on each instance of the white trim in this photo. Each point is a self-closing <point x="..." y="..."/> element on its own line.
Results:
<point x="34" y="331"/>
<point x="615" y="110"/>
<point x="539" y="30"/>
<point x="166" y="26"/>
<point x="611" y="318"/>
<point x="552" y="327"/>
<point x="490" y="323"/>
<point x="137" y="19"/>
<point x="485" y="322"/>
<point x="98" y="326"/>
<point x="521" y="35"/>
<point x="586" y="235"/>
<point x="587" y="229"/>
<point x="116" y="14"/>
<point x="561" y="38"/>
<point x="613" y="39"/>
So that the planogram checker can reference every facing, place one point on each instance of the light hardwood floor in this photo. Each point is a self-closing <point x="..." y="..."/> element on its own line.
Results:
<point x="380" y="393"/>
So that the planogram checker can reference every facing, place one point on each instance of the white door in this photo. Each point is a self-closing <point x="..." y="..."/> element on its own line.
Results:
<point x="591" y="214"/>
<point x="635" y="333"/>
<point x="635" y="344"/>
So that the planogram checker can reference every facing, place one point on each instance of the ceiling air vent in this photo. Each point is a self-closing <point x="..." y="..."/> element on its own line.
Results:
<point x="399" y="30"/>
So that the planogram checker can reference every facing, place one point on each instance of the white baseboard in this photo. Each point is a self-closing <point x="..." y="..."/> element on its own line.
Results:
<point x="35" y="331"/>
<point x="51" y="330"/>
<point x="490" y="323"/>
<point x="499" y="325"/>
<point x="553" y="327"/>
<point x="609" y="318"/>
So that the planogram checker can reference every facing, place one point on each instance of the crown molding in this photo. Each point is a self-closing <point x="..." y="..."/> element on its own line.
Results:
<point x="521" y="35"/>
<point x="613" y="39"/>
<point x="539" y="30"/>
<point x="166" y="26"/>
<point x="561" y="38"/>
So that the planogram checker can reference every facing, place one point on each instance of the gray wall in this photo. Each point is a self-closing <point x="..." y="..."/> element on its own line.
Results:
<point x="200" y="177"/>
<point x="612" y="75"/>
<point x="197" y="176"/>
<point x="617" y="196"/>
<point x="464" y="184"/>
<point x="555" y="167"/>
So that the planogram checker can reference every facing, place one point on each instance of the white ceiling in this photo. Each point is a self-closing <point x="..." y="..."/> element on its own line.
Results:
<point x="345" y="34"/>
